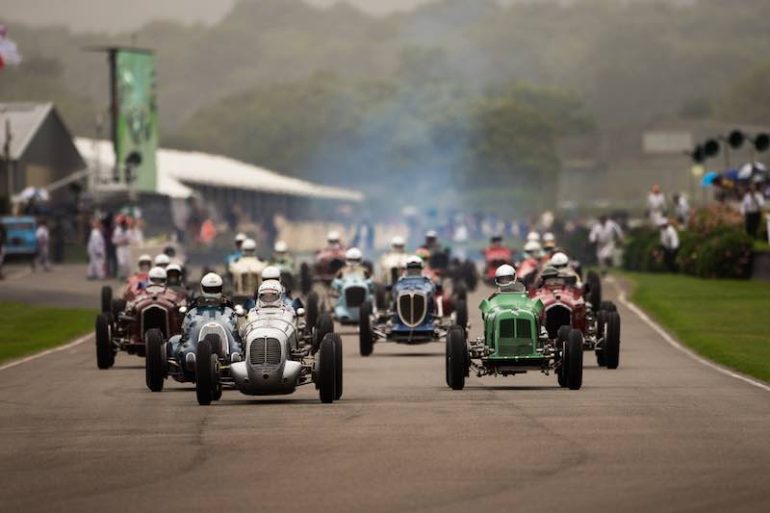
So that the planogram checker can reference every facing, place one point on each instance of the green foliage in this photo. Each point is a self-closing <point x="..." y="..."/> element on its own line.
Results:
<point x="720" y="319"/>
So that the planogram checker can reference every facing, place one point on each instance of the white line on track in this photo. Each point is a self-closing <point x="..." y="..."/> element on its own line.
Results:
<point x="35" y="356"/>
<point x="675" y="344"/>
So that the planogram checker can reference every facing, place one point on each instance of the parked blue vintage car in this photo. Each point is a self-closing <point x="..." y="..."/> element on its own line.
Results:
<point x="416" y="315"/>
<point x="20" y="235"/>
<point x="353" y="290"/>
<point x="176" y="357"/>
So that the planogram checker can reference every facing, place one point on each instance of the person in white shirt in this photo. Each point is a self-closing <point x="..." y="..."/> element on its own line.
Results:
<point x="751" y="208"/>
<point x="656" y="205"/>
<point x="682" y="209"/>
<point x="669" y="241"/>
<point x="97" y="253"/>
<point x="605" y="234"/>
<point x="43" y="244"/>
<point x="123" y="237"/>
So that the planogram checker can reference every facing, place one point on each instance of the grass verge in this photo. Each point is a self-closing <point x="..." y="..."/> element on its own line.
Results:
<point x="26" y="329"/>
<point x="723" y="320"/>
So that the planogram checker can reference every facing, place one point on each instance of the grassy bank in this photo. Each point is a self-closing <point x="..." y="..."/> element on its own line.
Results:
<point x="724" y="320"/>
<point x="27" y="329"/>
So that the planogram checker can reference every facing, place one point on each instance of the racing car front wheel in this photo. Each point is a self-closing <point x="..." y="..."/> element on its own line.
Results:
<point x="325" y="325"/>
<point x="207" y="385"/>
<point x="311" y="309"/>
<point x="594" y="289"/>
<point x="337" y="366"/>
<point x="155" y="363"/>
<point x="612" y="340"/>
<point x="365" y="336"/>
<point x="105" y="355"/>
<point x="456" y="358"/>
<point x="106" y="299"/>
<point x="327" y="374"/>
<point x="305" y="279"/>
<point x="461" y="314"/>
<point x="573" y="360"/>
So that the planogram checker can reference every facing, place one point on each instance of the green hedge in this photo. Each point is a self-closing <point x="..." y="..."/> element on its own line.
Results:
<point x="725" y="252"/>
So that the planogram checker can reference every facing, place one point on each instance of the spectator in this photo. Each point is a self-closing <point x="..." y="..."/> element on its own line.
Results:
<point x="605" y="234"/>
<point x="122" y="239"/>
<point x="97" y="252"/>
<point x="682" y="209"/>
<point x="656" y="205"/>
<point x="43" y="239"/>
<point x="669" y="242"/>
<point x="751" y="209"/>
<point x="3" y="239"/>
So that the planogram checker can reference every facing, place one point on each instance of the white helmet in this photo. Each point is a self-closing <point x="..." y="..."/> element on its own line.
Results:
<point x="431" y="234"/>
<point x="549" y="237"/>
<point x="398" y="243"/>
<point x="157" y="276"/>
<point x="414" y="265"/>
<point x="505" y="277"/>
<point x="239" y="238"/>
<point x="174" y="271"/>
<point x="333" y="237"/>
<point x="249" y="247"/>
<point x="532" y="247"/>
<point x="559" y="260"/>
<point x="354" y="256"/>
<point x="162" y="260"/>
<point x="270" y="294"/>
<point x="533" y="236"/>
<point x="144" y="261"/>
<point x="211" y="286"/>
<point x="280" y="247"/>
<point x="271" y="272"/>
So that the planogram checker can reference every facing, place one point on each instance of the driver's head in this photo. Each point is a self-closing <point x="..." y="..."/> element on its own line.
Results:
<point x="532" y="249"/>
<point x="249" y="248"/>
<point x="270" y="294"/>
<point x="211" y="286"/>
<point x="271" y="272"/>
<point x="239" y="238"/>
<point x="174" y="274"/>
<point x="157" y="276"/>
<point x="353" y="256"/>
<point x="431" y="237"/>
<point x="144" y="264"/>
<point x="333" y="238"/>
<point x="496" y="240"/>
<point x="280" y="248"/>
<point x="398" y="244"/>
<point x="414" y="266"/>
<point x="162" y="260"/>
<point x="505" y="277"/>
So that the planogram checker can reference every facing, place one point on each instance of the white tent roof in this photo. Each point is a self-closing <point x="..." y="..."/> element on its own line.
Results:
<point x="178" y="169"/>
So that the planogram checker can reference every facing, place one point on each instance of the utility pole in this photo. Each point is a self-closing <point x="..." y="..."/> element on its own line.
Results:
<point x="8" y="164"/>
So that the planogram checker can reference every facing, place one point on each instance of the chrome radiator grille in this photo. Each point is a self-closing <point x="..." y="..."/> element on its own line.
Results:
<point x="265" y="351"/>
<point x="412" y="308"/>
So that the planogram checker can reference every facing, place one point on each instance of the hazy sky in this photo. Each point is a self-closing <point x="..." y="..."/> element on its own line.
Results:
<point x="119" y="15"/>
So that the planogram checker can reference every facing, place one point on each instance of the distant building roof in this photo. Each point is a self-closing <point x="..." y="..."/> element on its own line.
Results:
<point x="179" y="169"/>
<point x="25" y="120"/>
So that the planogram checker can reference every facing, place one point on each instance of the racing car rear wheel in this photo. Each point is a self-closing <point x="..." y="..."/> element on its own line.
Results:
<point x="155" y="363"/>
<point x="561" y="338"/>
<point x="470" y="274"/>
<point x="573" y="359"/>
<point x="327" y="374"/>
<point x="594" y="286"/>
<point x="106" y="299"/>
<point x="612" y="341"/>
<point x="456" y="358"/>
<point x="461" y="314"/>
<point x="365" y="336"/>
<point x="207" y="386"/>
<point x="460" y="290"/>
<point x="608" y="306"/>
<point x="601" y="322"/>
<point x="337" y="366"/>
<point x="325" y="325"/>
<point x="305" y="279"/>
<point x="105" y="354"/>
<point x="311" y="309"/>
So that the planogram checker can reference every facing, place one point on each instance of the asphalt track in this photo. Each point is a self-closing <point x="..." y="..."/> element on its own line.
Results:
<point x="662" y="433"/>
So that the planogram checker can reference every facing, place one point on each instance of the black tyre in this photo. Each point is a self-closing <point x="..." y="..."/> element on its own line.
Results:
<point x="601" y="321"/>
<point x="456" y="358"/>
<point x="460" y="290"/>
<point x="461" y="314"/>
<point x="206" y="370"/>
<point x="608" y="306"/>
<point x="311" y="309"/>
<point x="106" y="299"/>
<point x="337" y="366"/>
<point x="471" y="275"/>
<point x="380" y="297"/>
<point x="155" y="363"/>
<point x="365" y="335"/>
<point x="325" y="325"/>
<point x="305" y="279"/>
<point x="561" y="338"/>
<point x="105" y="352"/>
<point x="594" y="286"/>
<point x="612" y="342"/>
<point x="118" y="306"/>
<point x="326" y="374"/>
<point x="574" y="359"/>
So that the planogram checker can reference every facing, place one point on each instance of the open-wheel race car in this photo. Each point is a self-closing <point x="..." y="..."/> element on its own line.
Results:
<point x="281" y="354"/>
<point x="155" y="308"/>
<point x="418" y="313"/>
<point x="565" y="303"/>
<point x="176" y="357"/>
<point x="351" y="290"/>
<point x="514" y="342"/>
<point x="245" y="274"/>
<point x="494" y="257"/>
